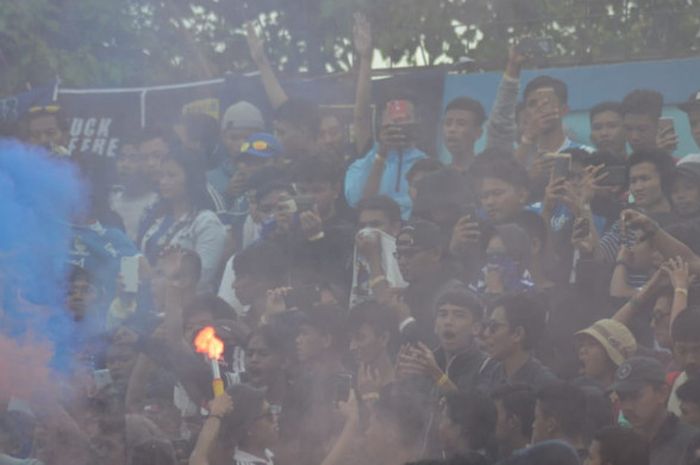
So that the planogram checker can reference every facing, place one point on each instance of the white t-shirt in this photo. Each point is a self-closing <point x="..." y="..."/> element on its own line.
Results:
<point x="131" y="209"/>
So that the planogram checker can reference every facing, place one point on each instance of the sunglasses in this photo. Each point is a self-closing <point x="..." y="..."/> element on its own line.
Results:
<point x="258" y="145"/>
<point x="45" y="109"/>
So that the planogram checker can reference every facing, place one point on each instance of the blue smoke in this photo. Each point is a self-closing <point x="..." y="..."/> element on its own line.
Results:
<point x="38" y="197"/>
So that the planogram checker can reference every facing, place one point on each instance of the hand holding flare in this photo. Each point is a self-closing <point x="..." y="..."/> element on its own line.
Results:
<point x="206" y="342"/>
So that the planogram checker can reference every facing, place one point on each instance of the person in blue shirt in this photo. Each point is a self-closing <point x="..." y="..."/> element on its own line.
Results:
<point x="382" y="171"/>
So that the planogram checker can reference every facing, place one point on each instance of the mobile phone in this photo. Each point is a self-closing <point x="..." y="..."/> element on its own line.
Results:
<point x="305" y="202"/>
<point x="666" y="124"/>
<point x="130" y="273"/>
<point x="561" y="168"/>
<point x="617" y="176"/>
<point x="470" y="211"/>
<point x="536" y="47"/>
<point x="342" y="386"/>
<point x="398" y="111"/>
<point x="302" y="297"/>
<point x="102" y="378"/>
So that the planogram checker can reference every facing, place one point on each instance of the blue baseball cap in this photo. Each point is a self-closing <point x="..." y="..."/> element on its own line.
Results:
<point x="261" y="145"/>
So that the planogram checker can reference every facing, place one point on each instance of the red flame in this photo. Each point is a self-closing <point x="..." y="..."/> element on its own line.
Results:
<point x="207" y="343"/>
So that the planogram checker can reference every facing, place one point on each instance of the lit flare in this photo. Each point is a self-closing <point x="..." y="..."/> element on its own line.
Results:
<point x="206" y="342"/>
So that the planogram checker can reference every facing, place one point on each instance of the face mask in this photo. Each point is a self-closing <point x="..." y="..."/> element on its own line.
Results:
<point x="509" y="268"/>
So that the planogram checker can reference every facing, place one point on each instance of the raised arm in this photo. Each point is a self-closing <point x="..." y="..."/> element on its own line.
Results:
<point x="666" y="244"/>
<point x="362" y="114"/>
<point x="501" y="129"/>
<point x="219" y="407"/>
<point x="273" y="88"/>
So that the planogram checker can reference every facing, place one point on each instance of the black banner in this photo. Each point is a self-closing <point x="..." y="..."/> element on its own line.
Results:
<point x="99" y="121"/>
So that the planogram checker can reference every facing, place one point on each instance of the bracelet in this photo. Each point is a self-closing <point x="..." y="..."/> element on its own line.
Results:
<point x="379" y="158"/>
<point x="370" y="396"/>
<point x="218" y="417"/>
<point x="373" y="282"/>
<point x="681" y="290"/>
<point x="444" y="379"/>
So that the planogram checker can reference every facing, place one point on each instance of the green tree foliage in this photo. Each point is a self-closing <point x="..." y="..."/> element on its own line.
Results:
<point x="102" y="43"/>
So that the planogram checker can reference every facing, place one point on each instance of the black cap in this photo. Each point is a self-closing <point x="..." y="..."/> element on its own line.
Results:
<point x="420" y="234"/>
<point x="637" y="372"/>
<point x="693" y="103"/>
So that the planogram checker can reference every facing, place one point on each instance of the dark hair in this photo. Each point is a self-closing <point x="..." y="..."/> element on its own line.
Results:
<point x="475" y="413"/>
<point x="470" y="105"/>
<point x="301" y="113"/>
<point x="190" y="262"/>
<point x="424" y="165"/>
<point x="262" y="261"/>
<point x="326" y="319"/>
<point x="548" y="81"/>
<point x="686" y="327"/>
<point x="467" y="458"/>
<point x="464" y="298"/>
<point x="155" y="131"/>
<point x="565" y="403"/>
<point x="689" y="391"/>
<point x="578" y="155"/>
<point x="317" y="169"/>
<point x="615" y="107"/>
<point x="383" y="203"/>
<point x="278" y="337"/>
<point x="209" y="303"/>
<point x="545" y="453"/>
<point x="269" y="187"/>
<point x="505" y="169"/>
<point x="195" y="178"/>
<point x="661" y="160"/>
<point x="622" y="446"/>
<point x="645" y="102"/>
<point x="533" y="224"/>
<point x="249" y="403"/>
<point x="523" y="311"/>
<point x="518" y="400"/>
<point x="78" y="273"/>
<point x="203" y="129"/>
<point x="153" y="452"/>
<point x="377" y="316"/>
